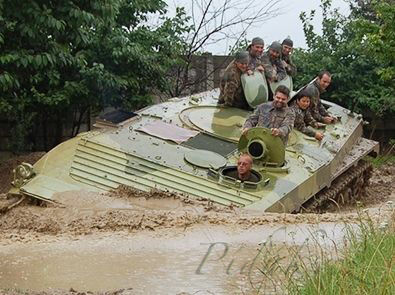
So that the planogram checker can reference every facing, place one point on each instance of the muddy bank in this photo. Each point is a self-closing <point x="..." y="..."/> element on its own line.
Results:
<point x="129" y="210"/>
<point x="111" y="214"/>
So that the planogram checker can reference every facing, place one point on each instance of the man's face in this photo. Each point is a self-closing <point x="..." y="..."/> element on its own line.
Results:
<point x="274" y="53"/>
<point x="244" y="165"/>
<point x="304" y="102"/>
<point x="287" y="50"/>
<point x="280" y="100"/>
<point x="243" y="67"/>
<point x="256" y="50"/>
<point x="324" y="81"/>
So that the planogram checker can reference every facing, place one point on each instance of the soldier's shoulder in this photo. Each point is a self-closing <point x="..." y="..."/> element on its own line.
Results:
<point x="312" y="89"/>
<point x="263" y="106"/>
<point x="230" y="73"/>
<point x="267" y="104"/>
<point x="265" y="56"/>
<point x="291" y="112"/>
<point x="294" y="108"/>
<point x="312" y="85"/>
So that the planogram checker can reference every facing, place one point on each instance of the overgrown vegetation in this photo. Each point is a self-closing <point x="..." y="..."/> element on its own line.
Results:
<point x="360" y="263"/>
<point x="360" y="52"/>
<point x="61" y="59"/>
<point x="367" y="266"/>
<point x="386" y="157"/>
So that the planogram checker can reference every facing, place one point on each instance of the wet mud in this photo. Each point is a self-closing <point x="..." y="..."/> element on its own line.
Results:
<point x="155" y="243"/>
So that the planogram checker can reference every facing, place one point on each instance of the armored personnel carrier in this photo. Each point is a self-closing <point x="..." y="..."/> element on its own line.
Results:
<point x="188" y="145"/>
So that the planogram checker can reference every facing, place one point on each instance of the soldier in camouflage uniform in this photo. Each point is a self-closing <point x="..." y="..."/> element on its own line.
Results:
<point x="274" y="69"/>
<point x="304" y="121"/>
<point x="255" y="50"/>
<point x="289" y="66"/>
<point x="315" y="89"/>
<point x="274" y="115"/>
<point x="231" y="89"/>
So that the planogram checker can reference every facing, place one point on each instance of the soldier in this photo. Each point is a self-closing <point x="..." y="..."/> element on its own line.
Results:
<point x="303" y="118"/>
<point x="231" y="89"/>
<point x="255" y="50"/>
<point x="287" y="48"/>
<point x="274" y="115"/>
<point x="315" y="89"/>
<point x="243" y="172"/>
<point x="274" y="70"/>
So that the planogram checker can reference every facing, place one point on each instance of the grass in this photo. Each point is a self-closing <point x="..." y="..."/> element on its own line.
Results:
<point x="367" y="266"/>
<point x="364" y="263"/>
<point x="387" y="157"/>
<point x="381" y="160"/>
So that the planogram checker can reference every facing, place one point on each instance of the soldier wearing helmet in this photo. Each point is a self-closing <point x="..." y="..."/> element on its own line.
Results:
<point x="274" y="69"/>
<point x="287" y="48"/>
<point x="255" y="49"/>
<point x="231" y="89"/>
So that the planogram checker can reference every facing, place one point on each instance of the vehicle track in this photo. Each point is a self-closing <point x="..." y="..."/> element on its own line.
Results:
<point x="348" y="187"/>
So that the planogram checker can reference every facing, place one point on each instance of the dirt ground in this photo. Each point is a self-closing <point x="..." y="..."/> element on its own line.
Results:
<point x="128" y="211"/>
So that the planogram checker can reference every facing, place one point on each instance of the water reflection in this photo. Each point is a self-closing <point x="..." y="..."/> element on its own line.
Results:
<point x="197" y="261"/>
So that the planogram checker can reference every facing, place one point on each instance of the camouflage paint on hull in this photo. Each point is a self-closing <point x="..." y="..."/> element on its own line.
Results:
<point x="104" y="159"/>
<point x="255" y="88"/>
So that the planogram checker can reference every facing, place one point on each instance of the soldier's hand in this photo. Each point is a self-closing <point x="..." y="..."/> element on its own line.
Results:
<point x="319" y="136"/>
<point x="328" y="120"/>
<point x="260" y="68"/>
<point x="285" y="65"/>
<point x="250" y="72"/>
<point x="320" y="125"/>
<point x="244" y="131"/>
<point x="276" y="132"/>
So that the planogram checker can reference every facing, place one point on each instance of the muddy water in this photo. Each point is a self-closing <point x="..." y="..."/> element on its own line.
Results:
<point x="199" y="259"/>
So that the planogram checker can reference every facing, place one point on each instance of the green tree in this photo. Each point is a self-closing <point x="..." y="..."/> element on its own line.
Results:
<point x="357" y="50"/>
<point x="61" y="57"/>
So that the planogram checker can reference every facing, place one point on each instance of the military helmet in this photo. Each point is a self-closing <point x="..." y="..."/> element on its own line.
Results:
<point x="276" y="46"/>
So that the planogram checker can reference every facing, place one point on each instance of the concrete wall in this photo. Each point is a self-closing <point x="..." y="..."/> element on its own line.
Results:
<point x="206" y="72"/>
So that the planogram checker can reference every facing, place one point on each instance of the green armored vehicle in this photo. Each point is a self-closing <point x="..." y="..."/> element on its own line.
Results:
<point x="188" y="145"/>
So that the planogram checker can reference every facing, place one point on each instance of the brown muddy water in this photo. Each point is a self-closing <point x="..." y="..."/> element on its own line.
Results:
<point x="163" y="244"/>
<point x="207" y="260"/>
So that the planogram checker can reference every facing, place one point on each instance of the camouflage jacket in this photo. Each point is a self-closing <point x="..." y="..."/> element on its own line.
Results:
<point x="266" y="115"/>
<point x="274" y="69"/>
<point x="317" y="110"/>
<point x="231" y="90"/>
<point x="303" y="120"/>
<point x="290" y="68"/>
<point x="254" y="62"/>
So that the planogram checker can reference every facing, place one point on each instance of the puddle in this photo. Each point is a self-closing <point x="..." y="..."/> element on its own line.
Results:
<point x="202" y="259"/>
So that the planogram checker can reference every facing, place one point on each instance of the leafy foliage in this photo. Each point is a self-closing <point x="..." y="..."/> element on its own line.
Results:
<point x="59" y="57"/>
<point x="358" y="50"/>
